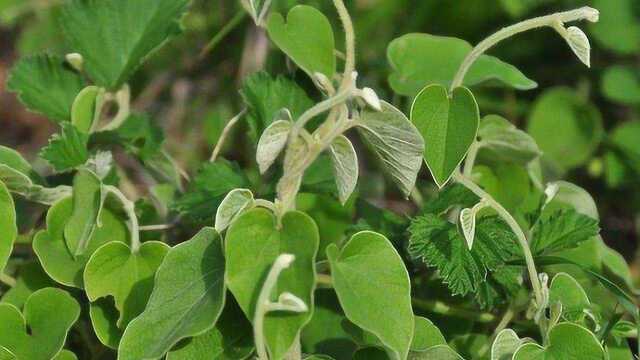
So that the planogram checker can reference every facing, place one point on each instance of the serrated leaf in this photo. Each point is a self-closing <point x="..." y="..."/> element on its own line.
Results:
<point x="306" y="37"/>
<point x="253" y="242"/>
<point x="23" y="185"/>
<point x="33" y="77"/>
<point x="502" y="141"/>
<point x="113" y="270"/>
<point x="563" y="230"/>
<point x="272" y="142"/>
<point x="396" y="141"/>
<point x="567" y="291"/>
<point x="48" y="314"/>
<point x="345" y="167"/>
<point x="83" y="110"/>
<point x="66" y="150"/>
<point x="232" y="205"/>
<point x="8" y="225"/>
<point x="87" y="203"/>
<point x="439" y="244"/>
<point x="51" y="249"/>
<point x="566" y="341"/>
<point x="448" y="125"/>
<point x="194" y="270"/>
<point x="367" y="263"/>
<point x="579" y="44"/>
<point x="114" y="37"/>
<point x="505" y="345"/>
<point x="419" y="60"/>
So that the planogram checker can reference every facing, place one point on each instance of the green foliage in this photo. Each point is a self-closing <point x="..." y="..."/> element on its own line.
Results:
<point x="561" y="231"/>
<point x="566" y="341"/>
<point x="66" y="150"/>
<point x="8" y="226"/>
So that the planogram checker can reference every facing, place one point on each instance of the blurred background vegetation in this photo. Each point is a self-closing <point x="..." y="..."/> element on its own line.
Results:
<point x="586" y="120"/>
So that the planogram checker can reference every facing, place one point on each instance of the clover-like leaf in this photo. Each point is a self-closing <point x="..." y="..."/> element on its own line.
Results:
<point x="271" y="143"/>
<point x="114" y="37"/>
<point x="505" y="345"/>
<point x="51" y="249"/>
<point x="84" y="112"/>
<point x="88" y="201"/>
<point x="114" y="270"/>
<point x="193" y="270"/>
<point x="68" y="149"/>
<point x="367" y="264"/>
<point x="345" y="166"/>
<point x="396" y="141"/>
<point x="566" y="341"/>
<point x="448" y="125"/>
<point x="236" y="201"/>
<point x="567" y="291"/>
<point x="8" y="226"/>
<point x="48" y="315"/>
<point x="419" y="60"/>
<point x="45" y="85"/>
<point x="306" y="37"/>
<point x="253" y="243"/>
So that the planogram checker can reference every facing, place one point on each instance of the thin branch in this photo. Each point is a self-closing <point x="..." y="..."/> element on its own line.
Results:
<point x="225" y="133"/>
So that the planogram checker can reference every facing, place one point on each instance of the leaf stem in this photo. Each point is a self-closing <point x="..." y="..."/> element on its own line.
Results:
<point x="129" y="208"/>
<point x="443" y="308"/>
<point x="220" y="35"/>
<point x="225" y="134"/>
<point x="552" y="20"/>
<point x="7" y="280"/>
<point x="471" y="158"/>
<point x="350" y="41"/>
<point x="513" y="224"/>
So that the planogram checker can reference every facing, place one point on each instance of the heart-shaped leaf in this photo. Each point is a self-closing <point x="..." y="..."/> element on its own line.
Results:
<point x="396" y="141"/>
<point x="419" y="60"/>
<point x="566" y="341"/>
<point x="50" y="247"/>
<point x="366" y="264"/>
<point x="8" y="227"/>
<point x="113" y="270"/>
<point x="345" y="166"/>
<point x="448" y="125"/>
<point x="306" y="37"/>
<point x="30" y="278"/>
<point x="48" y="316"/>
<point x="505" y="345"/>
<point x="110" y="56"/>
<point x="253" y="243"/>
<point x="187" y="298"/>
<point x="567" y="291"/>
<point x="87" y="203"/>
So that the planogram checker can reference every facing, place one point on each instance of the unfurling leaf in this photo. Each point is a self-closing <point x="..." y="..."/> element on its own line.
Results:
<point x="187" y="298"/>
<point x="236" y="201"/>
<point x="88" y="200"/>
<point x="84" y="111"/>
<point x="345" y="166"/>
<point x="271" y="143"/>
<point x="396" y="141"/>
<point x="364" y="266"/>
<point x="579" y="44"/>
<point x="8" y="226"/>
<point x="449" y="127"/>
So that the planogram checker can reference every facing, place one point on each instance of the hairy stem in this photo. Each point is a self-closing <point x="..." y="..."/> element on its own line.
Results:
<point x="350" y="41"/>
<point x="225" y="134"/>
<point x="513" y="224"/>
<point x="552" y="20"/>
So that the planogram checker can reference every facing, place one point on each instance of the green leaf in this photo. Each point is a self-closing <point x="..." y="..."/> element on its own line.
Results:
<point x="448" y="125"/>
<point x="366" y="265"/>
<point x="253" y="242"/>
<point x="83" y="110"/>
<point x="23" y="185"/>
<point x="508" y="183"/>
<point x="65" y="355"/>
<point x="8" y="226"/>
<point x="439" y="352"/>
<point x="265" y="96"/>
<point x="566" y="341"/>
<point x="502" y="141"/>
<point x="623" y="160"/>
<point x="236" y="201"/>
<point x="34" y="76"/>
<point x="66" y="150"/>
<point x="114" y="270"/>
<point x="396" y="141"/>
<point x="563" y="230"/>
<point x="621" y="84"/>
<point x="14" y="160"/>
<point x="439" y="244"/>
<point x="448" y="197"/>
<point x="208" y="188"/>
<point x="505" y="345"/>
<point x="426" y="335"/>
<point x="617" y="28"/>
<point x="30" y="278"/>
<point x="345" y="166"/>
<point x="567" y="129"/>
<point x="567" y="291"/>
<point x="40" y="331"/>
<point x="87" y="204"/>
<point x="419" y="60"/>
<point x="272" y="143"/>
<point x="104" y="317"/>
<point x="115" y="37"/>
<point x="306" y="37"/>
<point x="370" y="353"/>
<point x="194" y="270"/>
<point x="51" y="249"/>
<point x="230" y="339"/>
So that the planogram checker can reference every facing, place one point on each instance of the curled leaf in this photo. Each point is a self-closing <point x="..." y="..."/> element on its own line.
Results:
<point x="271" y="143"/>
<point x="579" y="43"/>
<point x="345" y="166"/>
<point x="231" y="206"/>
